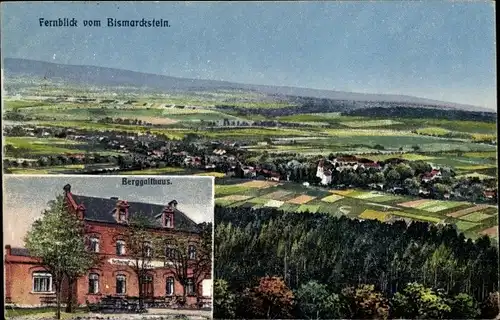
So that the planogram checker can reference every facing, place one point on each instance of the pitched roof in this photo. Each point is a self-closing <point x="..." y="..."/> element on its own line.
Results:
<point x="19" y="252"/>
<point x="101" y="209"/>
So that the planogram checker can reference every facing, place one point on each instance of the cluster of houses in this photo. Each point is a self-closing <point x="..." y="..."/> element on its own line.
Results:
<point x="326" y="167"/>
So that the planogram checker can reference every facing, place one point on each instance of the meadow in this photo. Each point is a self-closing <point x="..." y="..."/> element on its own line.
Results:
<point x="34" y="147"/>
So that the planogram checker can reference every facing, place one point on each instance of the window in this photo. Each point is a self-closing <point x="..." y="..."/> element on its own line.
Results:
<point x="192" y="252"/>
<point x="121" y="284"/>
<point x="190" y="287"/>
<point x="148" y="286"/>
<point x="168" y="220"/>
<point x="170" y="286"/>
<point x="93" y="283"/>
<point x="148" y="250"/>
<point x="94" y="244"/>
<point x="42" y="282"/>
<point x="120" y="248"/>
<point x="122" y="216"/>
<point x="169" y="253"/>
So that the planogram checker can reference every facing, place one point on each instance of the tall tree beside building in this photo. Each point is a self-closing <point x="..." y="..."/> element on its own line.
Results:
<point x="58" y="240"/>
<point x="202" y="264"/>
<point x="190" y="257"/>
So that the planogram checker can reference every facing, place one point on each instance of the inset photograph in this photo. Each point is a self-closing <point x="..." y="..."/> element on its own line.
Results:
<point x="109" y="244"/>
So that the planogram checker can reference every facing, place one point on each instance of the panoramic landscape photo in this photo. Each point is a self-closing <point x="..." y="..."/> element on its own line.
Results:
<point x="353" y="145"/>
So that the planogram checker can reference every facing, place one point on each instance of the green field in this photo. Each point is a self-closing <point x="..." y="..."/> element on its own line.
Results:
<point x="465" y="225"/>
<point x="476" y="216"/>
<point x="95" y="126"/>
<point x="416" y="216"/>
<point x="370" y="123"/>
<point x="43" y="146"/>
<point x="33" y="147"/>
<point x="433" y="131"/>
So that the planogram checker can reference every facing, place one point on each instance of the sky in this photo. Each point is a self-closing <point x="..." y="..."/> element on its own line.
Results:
<point x="432" y="49"/>
<point x="25" y="197"/>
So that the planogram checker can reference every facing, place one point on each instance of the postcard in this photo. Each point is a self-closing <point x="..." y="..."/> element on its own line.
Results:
<point x="111" y="243"/>
<point x="352" y="146"/>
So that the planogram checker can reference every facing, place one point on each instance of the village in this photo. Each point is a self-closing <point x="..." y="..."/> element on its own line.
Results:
<point x="136" y="152"/>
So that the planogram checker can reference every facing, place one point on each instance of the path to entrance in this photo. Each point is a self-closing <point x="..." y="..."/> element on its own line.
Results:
<point x="153" y="314"/>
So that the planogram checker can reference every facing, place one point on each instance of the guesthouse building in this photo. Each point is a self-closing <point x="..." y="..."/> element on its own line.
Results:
<point x="28" y="284"/>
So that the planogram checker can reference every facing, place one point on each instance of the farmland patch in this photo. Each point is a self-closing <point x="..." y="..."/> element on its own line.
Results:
<point x="465" y="225"/>
<point x="302" y="199"/>
<point x="342" y="192"/>
<point x="375" y="215"/>
<point x="416" y="216"/>
<point x="476" y="167"/>
<point x="475" y="216"/>
<point x="332" y="198"/>
<point x="258" y="200"/>
<point x="308" y="208"/>
<point x="273" y="203"/>
<point x="290" y="207"/>
<point x="368" y="195"/>
<point x="278" y="195"/>
<point x="370" y="123"/>
<point x="438" y="205"/>
<point x="258" y="184"/>
<point x="492" y="232"/>
<point x="211" y="174"/>
<point x="436" y="131"/>
<point x="221" y="190"/>
<point x="345" y="209"/>
<point x="459" y="213"/>
<point x="235" y="197"/>
<point x="480" y="176"/>
<point x="386" y="198"/>
<point x="413" y="204"/>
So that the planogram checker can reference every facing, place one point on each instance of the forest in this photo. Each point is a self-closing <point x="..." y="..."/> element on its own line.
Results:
<point x="398" y="111"/>
<point x="271" y="264"/>
<point x="377" y="109"/>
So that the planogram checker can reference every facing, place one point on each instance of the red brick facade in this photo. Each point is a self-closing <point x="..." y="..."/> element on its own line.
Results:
<point x="20" y="268"/>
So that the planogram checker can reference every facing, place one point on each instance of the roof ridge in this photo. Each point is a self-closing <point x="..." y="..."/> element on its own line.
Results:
<point x="154" y="210"/>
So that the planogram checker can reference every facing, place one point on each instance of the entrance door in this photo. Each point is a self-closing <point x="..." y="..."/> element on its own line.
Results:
<point x="148" y="286"/>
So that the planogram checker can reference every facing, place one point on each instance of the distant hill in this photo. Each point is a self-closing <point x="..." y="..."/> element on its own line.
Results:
<point x="101" y="76"/>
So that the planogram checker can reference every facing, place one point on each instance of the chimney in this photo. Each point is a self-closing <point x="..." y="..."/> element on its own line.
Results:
<point x="67" y="188"/>
<point x="72" y="206"/>
<point x="173" y="204"/>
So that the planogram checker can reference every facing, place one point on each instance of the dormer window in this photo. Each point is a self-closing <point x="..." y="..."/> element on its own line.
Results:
<point x="168" y="214"/>
<point x="168" y="221"/>
<point x="122" y="215"/>
<point x="121" y="211"/>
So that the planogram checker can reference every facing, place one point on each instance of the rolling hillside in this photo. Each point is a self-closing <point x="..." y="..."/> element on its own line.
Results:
<point x="101" y="76"/>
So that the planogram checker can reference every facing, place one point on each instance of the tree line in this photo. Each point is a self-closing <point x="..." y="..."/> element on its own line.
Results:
<point x="363" y="264"/>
